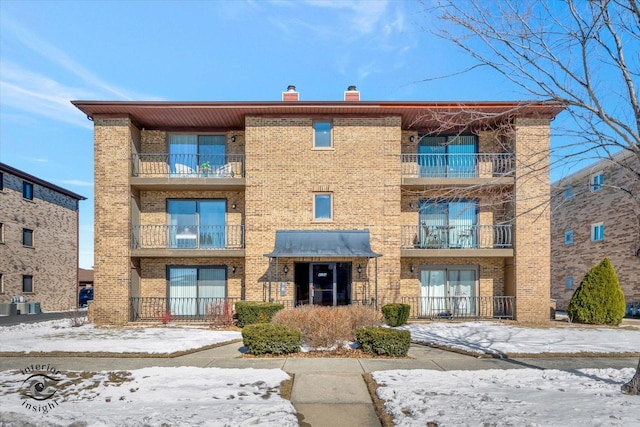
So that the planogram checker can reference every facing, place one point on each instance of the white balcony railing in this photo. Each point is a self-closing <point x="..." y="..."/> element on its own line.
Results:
<point x="456" y="236"/>
<point x="187" y="237"/>
<point x="151" y="165"/>
<point x="481" y="165"/>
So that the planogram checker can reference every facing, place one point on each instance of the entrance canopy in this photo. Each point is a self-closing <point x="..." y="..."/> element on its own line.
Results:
<point x="324" y="243"/>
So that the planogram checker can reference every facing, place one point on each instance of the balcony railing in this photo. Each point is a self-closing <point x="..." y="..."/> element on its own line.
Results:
<point x="194" y="309"/>
<point x="456" y="236"/>
<point x="461" y="307"/>
<point x="187" y="237"/>
<point x="157" y="165"/>
<point x="481" y="165"/>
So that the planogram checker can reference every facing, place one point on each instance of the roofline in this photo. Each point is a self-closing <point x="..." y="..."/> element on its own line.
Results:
<point x="582" y="173"/>
<point x="13" y="171"/>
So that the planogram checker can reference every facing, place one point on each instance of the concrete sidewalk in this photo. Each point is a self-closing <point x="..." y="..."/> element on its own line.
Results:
<point x="326" y="391"/>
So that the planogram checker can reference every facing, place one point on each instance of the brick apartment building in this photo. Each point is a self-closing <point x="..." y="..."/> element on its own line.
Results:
<point x="321" y="202"/>
<point x="593" y="217"/>
<point x="38" y="241"/>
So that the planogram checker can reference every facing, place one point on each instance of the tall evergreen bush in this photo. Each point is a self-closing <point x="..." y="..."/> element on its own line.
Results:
<point x="599" y="299"/>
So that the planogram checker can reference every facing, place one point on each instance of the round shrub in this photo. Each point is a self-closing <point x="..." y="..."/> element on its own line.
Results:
<point x="396" y="314"/>
<point x="599" y="299"/>
<point x="268" y="338"/>
<point x="384" y="341"/>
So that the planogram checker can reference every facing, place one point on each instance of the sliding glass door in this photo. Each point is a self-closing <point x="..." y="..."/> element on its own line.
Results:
<point x="451" y="156"/>
<point x="193" y="289"/>
<point x="196" y="155"/>
<point x="448" y="291"/>
<point x="197" y="224"/>
<point x="447" y="223"/>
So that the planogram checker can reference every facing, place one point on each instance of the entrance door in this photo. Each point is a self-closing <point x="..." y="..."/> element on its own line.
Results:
<point x="323" y="284"/>
<point x="448" y="291"/>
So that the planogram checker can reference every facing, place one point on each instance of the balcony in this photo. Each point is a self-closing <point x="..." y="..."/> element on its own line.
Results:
<point x="461" y="307"/>
<point x="187" y="241"/>
<point x="183" y="309"/>
<point x="419" y="170"/>
<point x="457" y="240"/>
<point x="162" y="171"/>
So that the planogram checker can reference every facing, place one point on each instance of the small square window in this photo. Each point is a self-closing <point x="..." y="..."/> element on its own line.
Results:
<point x="597" y="232"/>
<point x="322" y="135"/>
<point x="568" y="282"/>
<point x="1" y="181"/>
<point x="568" y="192"/>
<point x="27" y="190"/>
<point x="322" y="207"/>
<point x="568" y="237"/>
<point x="27" y="284"/>
<point x="596" y="181"/>
<point x="27" y="237"/>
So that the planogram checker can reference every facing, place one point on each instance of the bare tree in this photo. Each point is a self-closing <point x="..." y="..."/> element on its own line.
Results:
<point x="584" y="54"/>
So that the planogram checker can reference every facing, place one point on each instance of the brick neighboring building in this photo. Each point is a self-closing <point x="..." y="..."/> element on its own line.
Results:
<point x="327" y="202"/>
<point x="593" y="217"/>
<point x="38" y="241"/>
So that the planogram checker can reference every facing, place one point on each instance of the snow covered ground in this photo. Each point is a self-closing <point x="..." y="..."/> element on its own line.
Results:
<point x="516" y="397"/>
<point x="505" y="338"/>
<point x="59" y="335"/>
<point x="183" y="396"/>
<point x="186" y="396"/>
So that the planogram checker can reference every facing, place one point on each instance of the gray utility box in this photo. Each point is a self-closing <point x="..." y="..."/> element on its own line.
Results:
<point x="23" y="307"/>
<point x="8" y="309"/>
<point x="34" y="308"/>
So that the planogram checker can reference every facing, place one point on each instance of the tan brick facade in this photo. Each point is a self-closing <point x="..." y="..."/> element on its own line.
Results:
<point x="612" y="207"/>
<point x="52" y="260"/>
<point x="362" y="171"/>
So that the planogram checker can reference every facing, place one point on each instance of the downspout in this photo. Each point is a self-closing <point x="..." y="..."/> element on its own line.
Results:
<point x="269" y="278"/>
<point x="376" y="283"/>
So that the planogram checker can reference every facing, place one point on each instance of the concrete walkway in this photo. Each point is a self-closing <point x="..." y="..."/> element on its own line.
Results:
<point x="326" y="391"/>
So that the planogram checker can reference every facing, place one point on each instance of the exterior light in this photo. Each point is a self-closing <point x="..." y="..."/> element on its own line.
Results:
<point x="412" y="268"/>
<point x="359" y="269"/>
<point x="285" y="269"/>
<point x="233" y="269"/>
<point x="233" y="138"/>
<point x="412" y="138"/>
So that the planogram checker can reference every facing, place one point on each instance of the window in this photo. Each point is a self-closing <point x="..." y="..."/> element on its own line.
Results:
<point x="27" y="237"/>
<point x="447" y="156"/>
<point x="597" y="232"/>
<point x="194" y="291"/>
<point x="27" y="284"/>
<point x="568" y="237"/>
<point x="1" y="285"/>
<point x="197" y="223"/>
<point x="1" y="181"/>
<point x="27" y="190"/>
<point x="191" y="155"/>
<point x="596" y="181"/>
<point x="322" y="135"/>
<point x="322" y="207"/>
<point x="1" y="232"/>
<point x="568" y="283"/>
<point x="447" y="224"/>
<point x="447" y="290"/>
<point x="568" y="192"/>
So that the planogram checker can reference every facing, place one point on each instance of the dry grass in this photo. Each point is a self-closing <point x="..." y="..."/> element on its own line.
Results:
<point x="325" y="327"/>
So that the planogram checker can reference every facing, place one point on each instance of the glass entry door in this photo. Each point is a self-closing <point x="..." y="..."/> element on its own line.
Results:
<point x="323" y="284"/>
<point x="448" y="291"/>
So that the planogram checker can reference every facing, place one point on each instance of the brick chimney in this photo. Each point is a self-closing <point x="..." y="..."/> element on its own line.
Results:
<point x="290" y="94"/>
<point x="352" y="94"/>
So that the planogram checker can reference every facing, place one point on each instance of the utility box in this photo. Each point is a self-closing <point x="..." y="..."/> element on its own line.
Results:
<point x="34" y="308"/>
<point x="8" y="309"/>
<point x="22" y="307"/>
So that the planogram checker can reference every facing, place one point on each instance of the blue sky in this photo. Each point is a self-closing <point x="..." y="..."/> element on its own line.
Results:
<point x="54" y="51"/>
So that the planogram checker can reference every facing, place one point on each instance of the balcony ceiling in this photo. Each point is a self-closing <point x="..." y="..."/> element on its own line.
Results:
<point x="231" y="115"/>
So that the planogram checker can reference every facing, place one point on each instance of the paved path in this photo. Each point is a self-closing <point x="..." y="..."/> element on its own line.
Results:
<point x="326" y="391"/>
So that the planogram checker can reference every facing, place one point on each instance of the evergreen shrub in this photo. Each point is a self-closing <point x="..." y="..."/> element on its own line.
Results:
<point x="250" y="312"/>
<point x="384" y="341"/>
<point x="396" y="314"/>
<point x="599" y="299"/>
<point x="269" y="338"/>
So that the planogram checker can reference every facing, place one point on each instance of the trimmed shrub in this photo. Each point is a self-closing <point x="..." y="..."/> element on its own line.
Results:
<point x="396" y="314"/>
<point x="267" y="338"/>
<point x="249" y="312"/>
<point x="384" y="341"/>
<point x="599" y="299"/>
<point x="325" y="327"/>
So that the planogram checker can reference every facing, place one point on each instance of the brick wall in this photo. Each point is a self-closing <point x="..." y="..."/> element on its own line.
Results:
<point x="619" y="214"/>
<point x="53" y="258"/>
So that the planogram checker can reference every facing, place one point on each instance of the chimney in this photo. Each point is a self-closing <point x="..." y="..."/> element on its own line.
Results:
<point x="352" y="94"/>
<point x="290" y="94"/>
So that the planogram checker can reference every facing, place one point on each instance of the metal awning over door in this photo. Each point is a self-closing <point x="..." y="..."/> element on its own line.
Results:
<point x="322" y="243"/>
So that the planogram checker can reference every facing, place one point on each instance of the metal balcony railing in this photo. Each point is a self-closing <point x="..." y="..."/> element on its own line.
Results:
<point x="461" y="307"/>
<point x="195" y="309"/>
<point x="158" y="165"/>
<point x="456" y="236"/>
<point x="481" y="165"/>
<point x="187" y="237"/>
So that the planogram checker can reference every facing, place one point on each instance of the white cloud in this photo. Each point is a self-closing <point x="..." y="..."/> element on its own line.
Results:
<point x="76" y="182"/>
